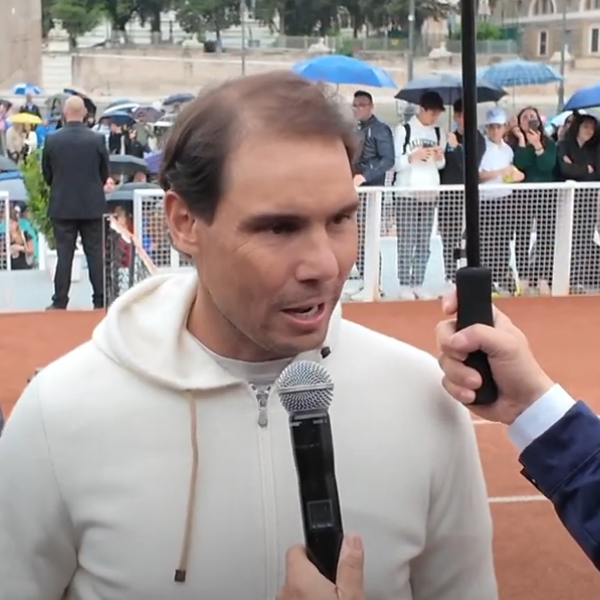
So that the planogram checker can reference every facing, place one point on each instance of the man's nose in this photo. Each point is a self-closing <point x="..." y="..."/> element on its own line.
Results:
<point x="319" y="260"/>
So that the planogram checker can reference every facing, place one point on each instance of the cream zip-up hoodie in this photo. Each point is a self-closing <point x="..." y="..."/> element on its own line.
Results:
<point x="138" y="455"/>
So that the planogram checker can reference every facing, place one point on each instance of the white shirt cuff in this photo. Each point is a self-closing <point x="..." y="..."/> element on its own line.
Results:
<point x="540" y="416"/>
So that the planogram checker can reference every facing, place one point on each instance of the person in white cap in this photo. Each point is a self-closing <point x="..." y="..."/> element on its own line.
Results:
<point x="496" y="211"/>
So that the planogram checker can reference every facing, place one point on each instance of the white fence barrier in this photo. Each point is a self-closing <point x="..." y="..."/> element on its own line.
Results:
<point x="541" y="236"/>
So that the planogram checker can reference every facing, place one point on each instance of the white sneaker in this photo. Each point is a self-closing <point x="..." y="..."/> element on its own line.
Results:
<point x="406" y="293"/>
<point x="422" y="294"/>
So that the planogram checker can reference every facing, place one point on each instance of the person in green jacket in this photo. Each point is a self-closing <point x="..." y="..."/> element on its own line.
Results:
<point x="535" y="156"/>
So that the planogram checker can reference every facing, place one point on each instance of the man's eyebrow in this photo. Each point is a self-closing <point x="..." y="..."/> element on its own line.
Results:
<point x="263" y="220"/>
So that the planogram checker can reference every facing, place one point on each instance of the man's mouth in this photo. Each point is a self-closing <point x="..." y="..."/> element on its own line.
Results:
<point x="309" y="311"/>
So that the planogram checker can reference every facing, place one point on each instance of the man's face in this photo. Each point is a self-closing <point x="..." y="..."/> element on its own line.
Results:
<point x="459" y="120"/>
<point x="429" y="116"/>
<point x="283" y="241"/>
<point x="362" y="108"/>
<point x="496" y="132"/>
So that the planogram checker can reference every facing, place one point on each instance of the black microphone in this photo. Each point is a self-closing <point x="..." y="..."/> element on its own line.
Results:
<point x="306" y="390"/>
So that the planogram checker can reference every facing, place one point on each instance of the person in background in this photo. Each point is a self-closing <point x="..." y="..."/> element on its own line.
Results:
<point x="30" y="107"/>
<point x="30" y="143"/>
<point x="375" y="157"/>
<point x="496" y="209"/>
<point x="133" y="146"/>
<point x="15" y="141"/>
<point x="22" y="248"/>
<point x="110" y="185"/>
<point x="578" y="161"/>
<point x="419" y="159"/>
<point x="75" y="167"/>
<point x="451" y="205"/>
<point x="535" y="157"/>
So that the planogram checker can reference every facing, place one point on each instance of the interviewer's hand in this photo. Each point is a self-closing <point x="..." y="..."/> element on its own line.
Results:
<point x="304" y="582"/>
<point x="520" y="379"/>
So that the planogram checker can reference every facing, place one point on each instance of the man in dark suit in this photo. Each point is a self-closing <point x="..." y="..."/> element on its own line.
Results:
<point x="75" y="166"/>
<point x="558" y="439"/>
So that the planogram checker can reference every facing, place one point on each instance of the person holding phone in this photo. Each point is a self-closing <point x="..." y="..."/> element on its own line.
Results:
<point x="535" y="157"/>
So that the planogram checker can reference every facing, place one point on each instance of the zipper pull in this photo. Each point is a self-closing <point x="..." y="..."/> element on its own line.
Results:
<point x="263" y="399"/>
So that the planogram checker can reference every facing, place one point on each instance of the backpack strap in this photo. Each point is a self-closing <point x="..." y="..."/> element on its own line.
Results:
<point x="438" y="135"/>
<point x="406" y="137"/>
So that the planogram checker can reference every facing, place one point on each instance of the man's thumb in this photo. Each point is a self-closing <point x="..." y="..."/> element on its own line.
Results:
<point x="350" y="573"/>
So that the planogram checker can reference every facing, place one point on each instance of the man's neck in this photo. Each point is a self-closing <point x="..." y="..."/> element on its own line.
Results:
<point x="208" y="325"/>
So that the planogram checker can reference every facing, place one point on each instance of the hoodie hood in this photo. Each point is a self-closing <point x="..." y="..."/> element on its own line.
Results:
<point x="145" y="331"/>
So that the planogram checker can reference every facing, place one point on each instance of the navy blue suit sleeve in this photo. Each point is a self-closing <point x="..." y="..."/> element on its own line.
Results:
<point x="564" y="464"/>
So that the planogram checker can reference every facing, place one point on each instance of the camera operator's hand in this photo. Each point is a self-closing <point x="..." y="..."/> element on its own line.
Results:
<point x="304" y="582"/>
<point x="520" y="379"/>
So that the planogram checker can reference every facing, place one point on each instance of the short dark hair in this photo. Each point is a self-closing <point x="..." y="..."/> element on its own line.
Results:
<point x="206" y="132"/>
<point x="363" y="94"/>
<point x="457" y="107"/>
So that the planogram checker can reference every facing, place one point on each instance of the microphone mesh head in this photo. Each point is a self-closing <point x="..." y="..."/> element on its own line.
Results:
<point x="305" y="385"/>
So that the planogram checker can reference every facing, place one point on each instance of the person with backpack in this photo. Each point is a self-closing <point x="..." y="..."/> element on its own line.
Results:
<point x="451" y="207"/>
<point x="419" y="158"/>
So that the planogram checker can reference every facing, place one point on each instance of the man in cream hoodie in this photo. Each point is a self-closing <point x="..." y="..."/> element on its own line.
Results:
<point x="419" y="146"/>
<point x="154" y="462"/>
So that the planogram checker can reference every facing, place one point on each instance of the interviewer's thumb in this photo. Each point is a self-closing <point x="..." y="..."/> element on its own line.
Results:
<point x="350" y="573"/>
<point x="494" y="342"/>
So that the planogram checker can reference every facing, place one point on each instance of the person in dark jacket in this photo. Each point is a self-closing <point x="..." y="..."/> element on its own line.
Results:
<point x="451" y="204"/>
<point x="578" y="161"/>
<point x="75" y="166"/>
<point x="535" y="157"/>
<point x="30" y="107"/>
<point x="375" y="158"/>
<point x="558" y="438"/>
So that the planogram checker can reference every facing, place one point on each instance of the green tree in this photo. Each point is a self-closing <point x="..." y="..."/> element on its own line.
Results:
<point x="149" y="11"/>
<point x="77" y="16"/>
<point x="46" y="17"/>
<point x="119" y="12"/>
<point x="310" y="17"/>
<point x="198" y="16"/>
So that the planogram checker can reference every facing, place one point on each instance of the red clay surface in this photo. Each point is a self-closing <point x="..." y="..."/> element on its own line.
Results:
<point x="536" y="559"/>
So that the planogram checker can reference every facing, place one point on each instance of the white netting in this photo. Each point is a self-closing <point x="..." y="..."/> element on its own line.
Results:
<point x="4" y="232"/>
<point x="536" y="239"/>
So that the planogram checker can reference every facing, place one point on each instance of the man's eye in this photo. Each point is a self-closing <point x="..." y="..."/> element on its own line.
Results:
<point x="342" y="219"/>
<point x="284" y="228"/>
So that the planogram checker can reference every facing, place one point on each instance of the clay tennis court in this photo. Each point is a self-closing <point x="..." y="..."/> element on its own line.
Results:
<point x="536" y="560"/>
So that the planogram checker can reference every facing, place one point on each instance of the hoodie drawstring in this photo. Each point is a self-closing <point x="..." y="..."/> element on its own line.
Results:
<point x="181" y="571"/>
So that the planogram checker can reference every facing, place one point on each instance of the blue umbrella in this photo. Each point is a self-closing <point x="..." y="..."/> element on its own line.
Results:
<point x="127" y="107"/>
<point x="119" y="118"/>
<point x="154" y="161"/>
<point x="181" y="98"/>
<point x="344" y="70"/>
<point x="516" y="73"/>
<point x="449" y="87"/>
<point x="117" y="102"/>
<point x="23" y="89"/>
<point x="586" y="98"/>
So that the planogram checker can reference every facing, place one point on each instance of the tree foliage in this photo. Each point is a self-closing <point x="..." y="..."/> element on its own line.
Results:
<point x="77" y="16"/>
<point x="199" y="16"/>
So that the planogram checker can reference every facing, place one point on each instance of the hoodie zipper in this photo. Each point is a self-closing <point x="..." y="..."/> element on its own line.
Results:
<point x="268" y="490"/>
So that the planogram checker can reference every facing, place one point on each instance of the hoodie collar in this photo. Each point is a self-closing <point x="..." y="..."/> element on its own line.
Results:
<point x="145" y="331"/>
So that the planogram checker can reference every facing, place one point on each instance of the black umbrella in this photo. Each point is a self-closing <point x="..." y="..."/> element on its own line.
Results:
<point x="449" y="87"/>
<point x="89" y="104"/>
<point x="126" y="164"/>
<point x="7" y="164"/>
<point x="124" y="193"/>
<point x="180" y="98"/>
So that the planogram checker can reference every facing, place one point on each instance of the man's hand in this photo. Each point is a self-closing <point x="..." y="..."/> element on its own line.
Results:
<point x="359" y="180"/>
<point x="452" y="140"/>
<point x="520" y="379"/>
<point x="304" y="582"/>
<point x="438" y="153"/>
<point x="420" y="155"/>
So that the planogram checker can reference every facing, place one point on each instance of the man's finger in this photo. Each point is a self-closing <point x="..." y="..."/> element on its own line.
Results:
<point x="494" y="341"/>
<point x="298" y="567"/>
<point x="444" y="333"/>
<point x="459" y="373"/>
<point x="350" y="574"/>
<point x="449" y="304"/>
<point x="461" y="394"/>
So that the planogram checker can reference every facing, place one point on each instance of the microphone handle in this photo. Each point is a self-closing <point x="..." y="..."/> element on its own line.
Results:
<point x="321" y="514"/>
